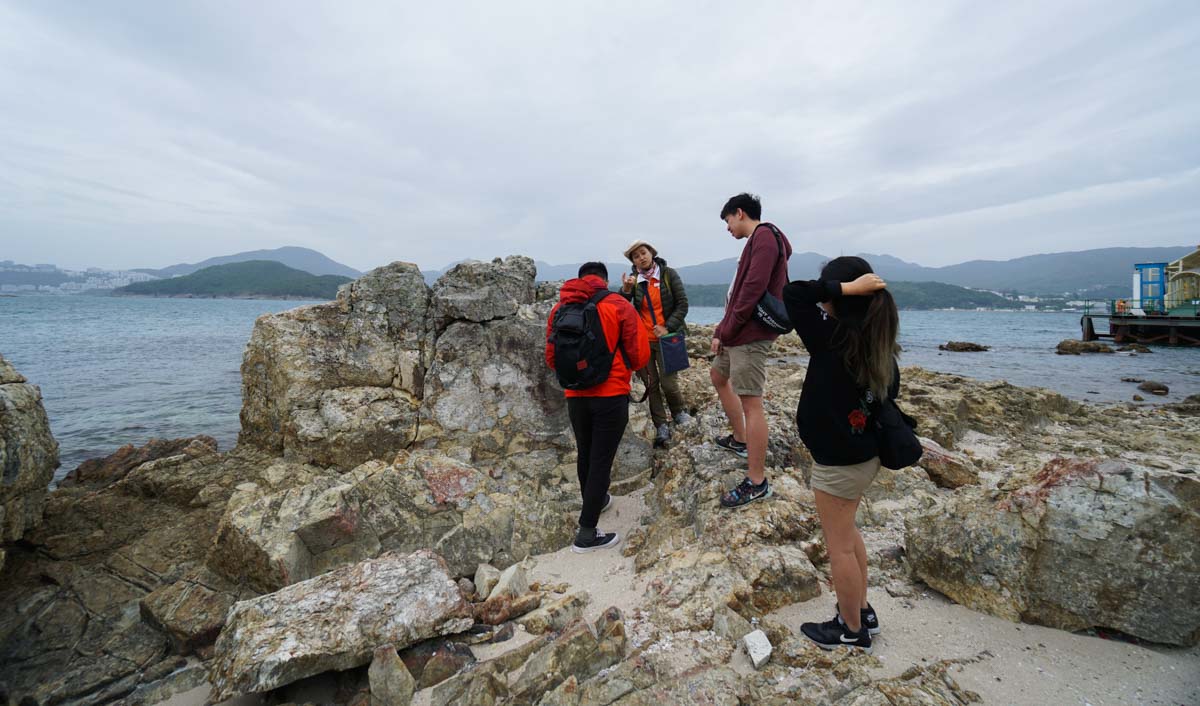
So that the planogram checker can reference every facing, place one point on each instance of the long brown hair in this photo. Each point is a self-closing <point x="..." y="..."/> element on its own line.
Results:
<point x="867" y="328"/>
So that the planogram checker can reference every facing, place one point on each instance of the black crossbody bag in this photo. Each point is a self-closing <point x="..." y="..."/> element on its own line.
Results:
<point x="896" y="433"/>
<point x="770" y="310"/>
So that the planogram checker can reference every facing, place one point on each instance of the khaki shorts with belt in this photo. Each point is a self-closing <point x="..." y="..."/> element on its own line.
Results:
<point x="745" y="366"/>
<point x="846" y="482"/>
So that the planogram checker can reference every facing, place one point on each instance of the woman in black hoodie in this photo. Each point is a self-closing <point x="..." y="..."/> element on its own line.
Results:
<point x="849" y="323"/>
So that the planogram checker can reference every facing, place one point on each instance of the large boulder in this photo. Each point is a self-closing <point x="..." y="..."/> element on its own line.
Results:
<point x="270" y="538"/>
<point x="335" y="622"/>
<point x="337" y="384"/>
<point x="1084" y="543"/>
<point x="28" y="455"/>
<point x="483" y="291"/>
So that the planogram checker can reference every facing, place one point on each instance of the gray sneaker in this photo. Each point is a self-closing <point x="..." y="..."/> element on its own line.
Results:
<point x="683" y="419"/>
<point x="663" y="436"/>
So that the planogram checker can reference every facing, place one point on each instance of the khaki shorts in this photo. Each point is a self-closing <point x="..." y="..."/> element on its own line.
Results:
<point x="846" y="482"/>
<point x="745" y="366"/>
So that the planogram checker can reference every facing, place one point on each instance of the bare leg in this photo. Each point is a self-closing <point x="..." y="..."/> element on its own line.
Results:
<point x="860" y="553"/>
<point x="756" y="436"/>
<point x="730" y="403"/>
<point x="841" y="536"/>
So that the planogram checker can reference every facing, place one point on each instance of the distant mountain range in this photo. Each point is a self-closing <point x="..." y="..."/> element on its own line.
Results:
<point x="253" y="278"/>
<point x="303" y="259"/>
<point x="1099" y="273"/>
<point x="1102" y="272"/>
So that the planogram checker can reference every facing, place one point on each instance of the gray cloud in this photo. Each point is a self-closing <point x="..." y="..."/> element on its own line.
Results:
<point x="143" y="134"/>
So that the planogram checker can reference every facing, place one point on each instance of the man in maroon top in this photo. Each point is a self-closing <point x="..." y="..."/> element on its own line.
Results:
<point x="741" y="344"/>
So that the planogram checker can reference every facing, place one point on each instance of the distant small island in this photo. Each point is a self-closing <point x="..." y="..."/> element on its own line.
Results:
<point x="908" y="295"/>
<point x="252" y="278"/>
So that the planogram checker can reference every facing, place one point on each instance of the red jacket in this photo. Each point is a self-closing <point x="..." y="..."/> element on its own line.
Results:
<point x="760" y="269"/>
<point x="620" y="323"/>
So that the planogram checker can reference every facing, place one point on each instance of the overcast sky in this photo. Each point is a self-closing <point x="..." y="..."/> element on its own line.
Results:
<point x="142" y="134"/>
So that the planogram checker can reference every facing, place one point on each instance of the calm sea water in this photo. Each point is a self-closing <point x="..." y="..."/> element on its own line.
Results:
<point x="1023" y="353"/>
<point x="116" y="370"/>
<point x="122" y="370"/>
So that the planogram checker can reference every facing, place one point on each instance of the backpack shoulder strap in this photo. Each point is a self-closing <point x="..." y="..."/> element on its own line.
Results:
<point x="777" y="234"/>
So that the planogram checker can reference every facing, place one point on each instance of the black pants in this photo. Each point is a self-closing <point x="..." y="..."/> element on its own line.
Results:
<point x="598" y="423"/>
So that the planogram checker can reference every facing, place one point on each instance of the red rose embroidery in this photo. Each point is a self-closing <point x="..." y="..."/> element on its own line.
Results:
<point x="858" y="420"/>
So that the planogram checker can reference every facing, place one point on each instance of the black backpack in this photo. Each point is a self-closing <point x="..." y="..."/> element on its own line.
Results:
<point x="582" y="358"/>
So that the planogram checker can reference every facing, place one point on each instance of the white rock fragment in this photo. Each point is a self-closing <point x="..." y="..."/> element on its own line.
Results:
<point x="758" y="647"/>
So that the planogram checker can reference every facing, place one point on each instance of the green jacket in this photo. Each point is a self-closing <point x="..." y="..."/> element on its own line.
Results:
<point x="674" y="297"/>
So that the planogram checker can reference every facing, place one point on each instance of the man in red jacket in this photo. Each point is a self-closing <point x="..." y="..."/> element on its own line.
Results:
<point x="600" y="413"/>
<point x="741" y="344"/>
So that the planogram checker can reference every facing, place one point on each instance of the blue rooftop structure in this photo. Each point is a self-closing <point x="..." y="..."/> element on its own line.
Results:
<point x="1150" y="285"/>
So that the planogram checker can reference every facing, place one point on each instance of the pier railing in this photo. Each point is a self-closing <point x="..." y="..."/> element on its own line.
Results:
<point x="1188" y="308"/>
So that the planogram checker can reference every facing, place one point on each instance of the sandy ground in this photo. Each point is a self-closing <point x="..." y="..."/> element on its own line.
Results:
<point x="1015" y="663"/>
<point x="1005" y="663"/>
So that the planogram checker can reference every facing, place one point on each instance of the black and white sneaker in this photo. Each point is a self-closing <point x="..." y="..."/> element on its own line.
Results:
<point x="745" y="493"/>
<point x="662" y="436"/>
<point x="738" y="447"/>
<point x="834" y="633"/>
<point x="600" y="540"/>
<point x="868" y="617"/>
<point x="607" y="503"/>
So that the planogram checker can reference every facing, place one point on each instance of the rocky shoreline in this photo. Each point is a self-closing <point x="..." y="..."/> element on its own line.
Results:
<point x="403" y="447"/>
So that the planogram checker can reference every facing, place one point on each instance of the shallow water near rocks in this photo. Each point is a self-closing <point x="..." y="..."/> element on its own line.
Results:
<point x="1022" y="353"/>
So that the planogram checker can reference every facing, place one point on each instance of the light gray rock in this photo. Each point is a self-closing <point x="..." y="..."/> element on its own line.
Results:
<point x="28" y="454"/>
<point x="391" y="684"/>
<point x="338" y="384"/>
<point x="513" y="581"/>
<point x="335" y="622"/>
<point x="479" y="291"/>
<point x="758" y="648"/>
<point x="486" y="577"/>
<point x="556" y="615"/>
<point x="1083" y="543"/>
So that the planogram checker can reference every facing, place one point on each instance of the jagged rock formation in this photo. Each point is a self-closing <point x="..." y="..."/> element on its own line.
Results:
<point x="1086" y="543"/>
<point x="28" y="455"/>
<point x="337" y="384"/>
<point x="111" y="590"/>
<point x="401" y="418"/>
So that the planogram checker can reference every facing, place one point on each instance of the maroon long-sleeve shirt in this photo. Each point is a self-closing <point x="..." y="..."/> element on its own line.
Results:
<point x="760" y="269"/>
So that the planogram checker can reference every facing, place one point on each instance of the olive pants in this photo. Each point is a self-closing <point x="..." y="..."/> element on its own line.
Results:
<point x="662" y="387"/>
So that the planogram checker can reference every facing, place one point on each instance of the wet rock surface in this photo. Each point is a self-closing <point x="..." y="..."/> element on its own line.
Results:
<point x="1074" y="347"/>
<point x="963" y="347"/>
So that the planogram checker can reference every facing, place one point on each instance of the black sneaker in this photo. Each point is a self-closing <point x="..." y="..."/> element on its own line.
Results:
<point x="601" y="540"/>
<point x="868" y="617"/>
<point x="745" y="493"/>
<point x="738" y="447"/>
<point x="832" y="633"/>
<point x="607" y="502"/>
<point x="662" y="436"/>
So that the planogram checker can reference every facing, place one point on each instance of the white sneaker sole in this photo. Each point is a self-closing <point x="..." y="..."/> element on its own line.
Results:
<point x="839" y="644"/>
<point x="585" y="550"/>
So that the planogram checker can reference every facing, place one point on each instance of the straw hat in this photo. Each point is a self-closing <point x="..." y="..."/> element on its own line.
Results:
<point x="637" y="244"/>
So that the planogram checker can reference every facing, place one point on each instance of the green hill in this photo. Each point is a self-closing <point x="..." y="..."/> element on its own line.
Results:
<point x="253" y="278"/>
<point x="908" y="295"/>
